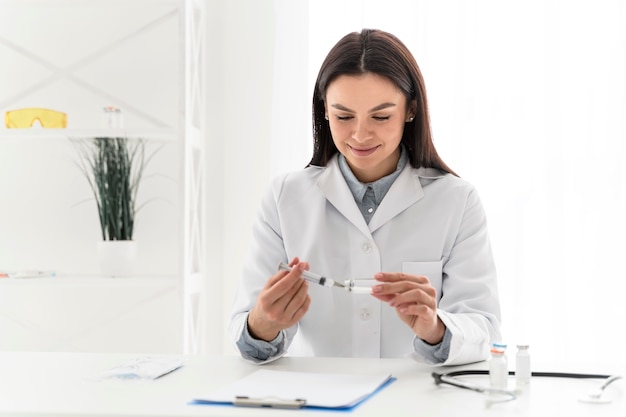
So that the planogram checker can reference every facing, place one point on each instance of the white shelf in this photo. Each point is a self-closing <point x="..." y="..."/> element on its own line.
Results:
<point x="92" y="281"/>
<point x="91" y="314"/>
<point x="151" y="134"/>
<point x="86" y="3"/>
<point x="78" y="69"/>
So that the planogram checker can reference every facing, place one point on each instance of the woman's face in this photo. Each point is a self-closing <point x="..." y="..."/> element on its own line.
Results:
<point x="367" y="114"/>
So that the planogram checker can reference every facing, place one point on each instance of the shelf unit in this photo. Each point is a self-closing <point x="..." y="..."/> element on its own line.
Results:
<point x="151" y="134"/>
<point x="150" y="66"/>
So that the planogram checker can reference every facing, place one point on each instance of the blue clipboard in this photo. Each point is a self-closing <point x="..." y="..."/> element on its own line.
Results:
<point x="254" y="393"/>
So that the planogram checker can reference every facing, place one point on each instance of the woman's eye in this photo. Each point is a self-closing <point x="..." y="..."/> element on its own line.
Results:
<point x="377" y="118"/>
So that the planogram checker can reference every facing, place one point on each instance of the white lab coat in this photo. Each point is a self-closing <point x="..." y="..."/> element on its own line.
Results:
<point x="429" y="223"/>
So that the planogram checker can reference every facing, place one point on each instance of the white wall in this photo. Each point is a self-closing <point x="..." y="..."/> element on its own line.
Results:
<point x="259" y="125"/>
<point x="240" y="83"/>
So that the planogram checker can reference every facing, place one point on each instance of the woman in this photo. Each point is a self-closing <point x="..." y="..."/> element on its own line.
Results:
<point x="375" y="202"/>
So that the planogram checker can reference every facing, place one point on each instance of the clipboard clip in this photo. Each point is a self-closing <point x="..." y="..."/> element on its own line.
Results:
<point x="269" y="402"/>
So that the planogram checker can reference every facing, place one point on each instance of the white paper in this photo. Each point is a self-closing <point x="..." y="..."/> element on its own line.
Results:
<point x="143" y="368"/>
<point x="318" y="389"/>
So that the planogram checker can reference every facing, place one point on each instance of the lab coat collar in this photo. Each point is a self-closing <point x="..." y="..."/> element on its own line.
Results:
<point x="405" y="191"/>
<point x="334" y="186"/>
<point x="429" y="173"/>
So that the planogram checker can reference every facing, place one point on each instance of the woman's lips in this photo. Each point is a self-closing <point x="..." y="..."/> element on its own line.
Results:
<point x="363" y="151"/>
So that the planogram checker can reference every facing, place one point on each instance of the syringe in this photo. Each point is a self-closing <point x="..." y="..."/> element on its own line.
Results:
<point x="349" y="284"/>
<point x="311" y="277"/>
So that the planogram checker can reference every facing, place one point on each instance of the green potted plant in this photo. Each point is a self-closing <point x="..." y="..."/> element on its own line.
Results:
<point x="114" y="167"/>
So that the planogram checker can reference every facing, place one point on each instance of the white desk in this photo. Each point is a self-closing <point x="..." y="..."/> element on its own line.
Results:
<point x="62" y="384"/>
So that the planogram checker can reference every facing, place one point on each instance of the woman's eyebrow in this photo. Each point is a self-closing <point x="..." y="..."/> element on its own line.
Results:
<point x="381" y="106"/>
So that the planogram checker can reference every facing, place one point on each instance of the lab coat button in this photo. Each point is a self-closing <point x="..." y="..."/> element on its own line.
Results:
<point x="367" y="248"/>
<point x="365" y="314"/>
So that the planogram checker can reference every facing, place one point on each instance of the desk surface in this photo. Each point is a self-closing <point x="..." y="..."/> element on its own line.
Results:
<point x="65" y="384"/>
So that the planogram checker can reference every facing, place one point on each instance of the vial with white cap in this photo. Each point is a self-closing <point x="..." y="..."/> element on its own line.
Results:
<point x="522" y="365"/>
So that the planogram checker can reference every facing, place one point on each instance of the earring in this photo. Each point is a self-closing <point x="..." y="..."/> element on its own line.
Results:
<point x="410" y="119"/>
<point x="326" y="116"/>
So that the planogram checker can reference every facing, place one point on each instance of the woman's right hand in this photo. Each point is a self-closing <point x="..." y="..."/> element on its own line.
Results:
<point x="282" y="302"/>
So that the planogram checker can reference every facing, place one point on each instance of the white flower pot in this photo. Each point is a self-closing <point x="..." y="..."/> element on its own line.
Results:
<point x="117" y="257"/>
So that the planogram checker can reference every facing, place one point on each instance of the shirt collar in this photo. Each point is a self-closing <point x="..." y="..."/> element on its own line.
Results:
<point x="380" y="187"/>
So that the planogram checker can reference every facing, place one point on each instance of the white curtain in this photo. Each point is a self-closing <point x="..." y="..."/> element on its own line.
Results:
<point x="528" y="102"/>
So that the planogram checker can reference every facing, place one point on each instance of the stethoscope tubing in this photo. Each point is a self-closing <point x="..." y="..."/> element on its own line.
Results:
<point x="449" y="378"/>
<point x="469" y="372"/>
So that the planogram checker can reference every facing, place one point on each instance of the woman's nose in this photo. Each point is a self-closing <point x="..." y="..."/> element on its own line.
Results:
<point x="361" y="131"/>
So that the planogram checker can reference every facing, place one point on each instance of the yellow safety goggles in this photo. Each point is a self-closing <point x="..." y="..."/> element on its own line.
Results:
<point x="23" y="118"/>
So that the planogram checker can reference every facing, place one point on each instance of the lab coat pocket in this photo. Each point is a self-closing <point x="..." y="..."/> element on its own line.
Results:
<point x="432" y="270"/>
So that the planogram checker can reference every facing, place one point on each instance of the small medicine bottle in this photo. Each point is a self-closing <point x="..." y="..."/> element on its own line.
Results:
<point x="112" y="117"/>
<point x="522" y="365"/>
<point x="498" y="368"/>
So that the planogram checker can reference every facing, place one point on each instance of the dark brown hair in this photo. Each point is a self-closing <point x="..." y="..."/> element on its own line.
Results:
<point x="381" y="53"/>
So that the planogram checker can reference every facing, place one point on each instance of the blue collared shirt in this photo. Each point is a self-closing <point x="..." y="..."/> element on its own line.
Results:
<point x="368" y="196"/>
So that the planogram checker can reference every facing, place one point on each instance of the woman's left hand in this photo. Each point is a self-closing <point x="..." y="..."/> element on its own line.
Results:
<point x="415" y="301"/>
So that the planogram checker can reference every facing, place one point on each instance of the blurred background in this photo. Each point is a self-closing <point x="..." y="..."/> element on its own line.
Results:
<point x="527" y="101"/>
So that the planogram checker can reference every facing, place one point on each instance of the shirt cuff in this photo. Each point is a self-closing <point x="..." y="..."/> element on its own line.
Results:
<point x="259" y="351"/>
<point x="434" y="354"/>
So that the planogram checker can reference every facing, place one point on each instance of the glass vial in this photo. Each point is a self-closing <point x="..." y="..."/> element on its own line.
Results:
<point x="112" y="117"/>
<point x="498" y="368"/>
<point x="522" y="365"/>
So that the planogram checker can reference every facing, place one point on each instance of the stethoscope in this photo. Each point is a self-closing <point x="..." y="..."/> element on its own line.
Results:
<point x="595" y="396"/>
